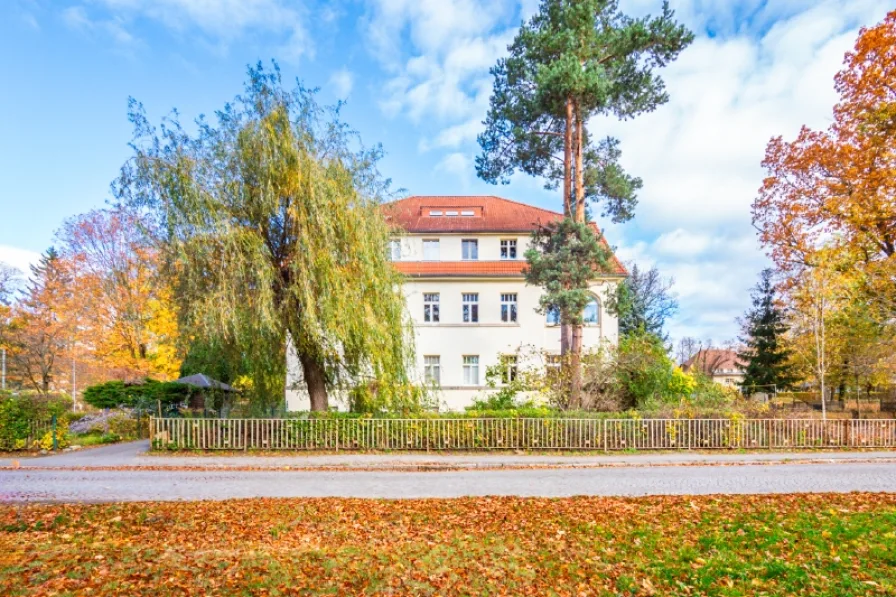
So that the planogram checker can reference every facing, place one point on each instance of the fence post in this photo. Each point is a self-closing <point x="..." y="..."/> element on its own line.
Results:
<point x="53" y="423"/>
<point x="604" y="433"/>
<point x="846" y="434"/>
<point x="337" y="433"/>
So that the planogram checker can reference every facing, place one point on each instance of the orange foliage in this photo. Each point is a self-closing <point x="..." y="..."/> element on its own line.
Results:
<point x="123" y="303"/>
<point x="837" y="188"/>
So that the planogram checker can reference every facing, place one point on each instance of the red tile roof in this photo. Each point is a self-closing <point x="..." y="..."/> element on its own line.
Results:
<point x="501" y="269"/>
<point x="715" y="361"/>
<point x="485" y="213"/>
<point x="490" y="214"/>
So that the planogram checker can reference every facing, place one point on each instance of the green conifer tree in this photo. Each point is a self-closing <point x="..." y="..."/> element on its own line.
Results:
<point x="767" y="366"/>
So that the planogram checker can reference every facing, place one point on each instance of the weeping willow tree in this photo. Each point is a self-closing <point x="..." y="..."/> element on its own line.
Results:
<point x="270" y="219"/>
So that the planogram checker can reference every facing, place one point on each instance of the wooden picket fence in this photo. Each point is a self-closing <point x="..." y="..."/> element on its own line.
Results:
<point x="518" y="434"/>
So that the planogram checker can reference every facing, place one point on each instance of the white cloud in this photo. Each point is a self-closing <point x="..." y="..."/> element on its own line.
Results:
<point x="30" y="21"/>
<point x="438" y="53"/>
<point x="76" y="17"/>
<point x="21" y="259"/>
<point x="342" y="82"/>
<point x="458" y="165"/>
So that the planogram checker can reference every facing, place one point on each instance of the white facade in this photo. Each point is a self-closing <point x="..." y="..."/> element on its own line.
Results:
<point x="453" y="347"/>
<point x="451" y="338"/>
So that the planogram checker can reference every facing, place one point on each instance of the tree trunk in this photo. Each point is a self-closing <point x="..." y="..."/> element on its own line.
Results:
<point x="567" y="159"/>
<point x="575" y="361"/>
<point x="575" y="369"/>
<point x="580" y="168"/>
<point x="565" y="328"/>
<point x="316" y="380"/>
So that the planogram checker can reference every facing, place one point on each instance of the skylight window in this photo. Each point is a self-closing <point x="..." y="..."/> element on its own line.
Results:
<point x="435" y="213"/>
<point x="467" y="213"/>
<point x="450" y="213"/>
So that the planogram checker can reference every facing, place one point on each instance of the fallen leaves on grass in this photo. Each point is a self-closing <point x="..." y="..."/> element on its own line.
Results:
<point x="840" y="544"/>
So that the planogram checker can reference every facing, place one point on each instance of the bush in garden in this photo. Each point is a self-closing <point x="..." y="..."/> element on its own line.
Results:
<point x="143" y="395"/>
<point x="15" y="424"/>
<point x="506" y="394"/>
<point x="46" y="442"/>
<point x="122" y="425"/>
<point x="19" y="412"/>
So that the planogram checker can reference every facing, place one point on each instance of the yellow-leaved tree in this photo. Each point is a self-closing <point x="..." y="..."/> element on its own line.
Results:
<point x="127" y="319"/>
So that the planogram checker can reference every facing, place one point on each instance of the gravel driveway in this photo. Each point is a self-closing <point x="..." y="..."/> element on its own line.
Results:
<point x="873" y="472"/>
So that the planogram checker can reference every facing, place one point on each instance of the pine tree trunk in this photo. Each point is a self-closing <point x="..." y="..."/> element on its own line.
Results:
<point x="580" y="168"/>
<point x="316" y="380"/>
<point x="565" y="328"/>
<point x="575" y="369"/>
<point x="575" y="361"/>
<point x="567" y="159"/>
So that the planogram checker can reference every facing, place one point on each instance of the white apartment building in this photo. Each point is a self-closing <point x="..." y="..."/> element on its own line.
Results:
<point x="464" y="259"/>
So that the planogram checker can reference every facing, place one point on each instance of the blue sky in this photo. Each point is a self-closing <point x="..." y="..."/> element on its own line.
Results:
<point x="415" y="74"/>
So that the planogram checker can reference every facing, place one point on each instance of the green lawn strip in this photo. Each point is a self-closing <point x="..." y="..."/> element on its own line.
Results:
<point x="727" y="546"/>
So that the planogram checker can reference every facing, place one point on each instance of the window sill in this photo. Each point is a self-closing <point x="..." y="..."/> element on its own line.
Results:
<point x="462" y="388"/>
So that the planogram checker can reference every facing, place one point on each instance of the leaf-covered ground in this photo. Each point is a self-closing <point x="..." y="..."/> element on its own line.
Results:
<point x="837" y="545"/>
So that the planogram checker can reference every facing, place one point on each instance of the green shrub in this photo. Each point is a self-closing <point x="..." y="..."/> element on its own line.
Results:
<point x="145" y="395"/>
<point x="20" y="413"/>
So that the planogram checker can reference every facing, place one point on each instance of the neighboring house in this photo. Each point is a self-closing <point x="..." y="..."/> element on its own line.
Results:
<point x="722" y="365"/>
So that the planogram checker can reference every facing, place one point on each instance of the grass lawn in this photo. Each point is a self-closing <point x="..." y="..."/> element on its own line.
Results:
<point x="837" y="545"/>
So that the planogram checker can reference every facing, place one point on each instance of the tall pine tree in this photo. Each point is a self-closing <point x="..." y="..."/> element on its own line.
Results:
<point x="574" y="60"/>
<point x="764" y="327"/>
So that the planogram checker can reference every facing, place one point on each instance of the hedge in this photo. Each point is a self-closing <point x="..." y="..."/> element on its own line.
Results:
<point x="114" y="394"/>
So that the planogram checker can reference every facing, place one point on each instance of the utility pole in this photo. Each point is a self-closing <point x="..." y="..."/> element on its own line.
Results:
<point x="74" y="383"/>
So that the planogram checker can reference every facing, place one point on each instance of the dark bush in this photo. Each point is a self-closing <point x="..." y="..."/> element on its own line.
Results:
<point x="145" y="395"/>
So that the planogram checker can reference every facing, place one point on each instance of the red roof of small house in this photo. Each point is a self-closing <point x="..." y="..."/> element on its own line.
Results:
<point x="715" y="361"/>
<point x="470" y="214"/>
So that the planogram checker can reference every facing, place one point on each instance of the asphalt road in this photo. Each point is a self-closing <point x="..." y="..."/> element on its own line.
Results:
<point x="18" y="486"/>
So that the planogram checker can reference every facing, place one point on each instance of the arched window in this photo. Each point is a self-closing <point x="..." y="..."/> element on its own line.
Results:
<point x="591" y="314"/>
<point x="552" y="317"/>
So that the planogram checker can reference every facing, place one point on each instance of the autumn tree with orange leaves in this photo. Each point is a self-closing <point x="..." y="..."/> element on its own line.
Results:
<point x="826" y="213"/>
<point x="127" y="319"/>
<point x="836" y="188"/>
<point x="40" y="326"/>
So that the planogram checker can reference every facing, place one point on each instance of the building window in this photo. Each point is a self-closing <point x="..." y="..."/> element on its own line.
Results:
<point x="432" y="370"/>
<point x="553" y="368"/>
<point x="552" y="317"/>
<point x="469" y="249"/>
<point x="430" y="250"/>
<point x="471" y="370"/>
<point x="591" y="314"/>
<point x="509" y="368"/>
<point x="431" y="307"/>
<point x="508" y="308"/>
<point x="508" y="249"/>
<point x="395" y="250"/>
<point x="471" y="307"/>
